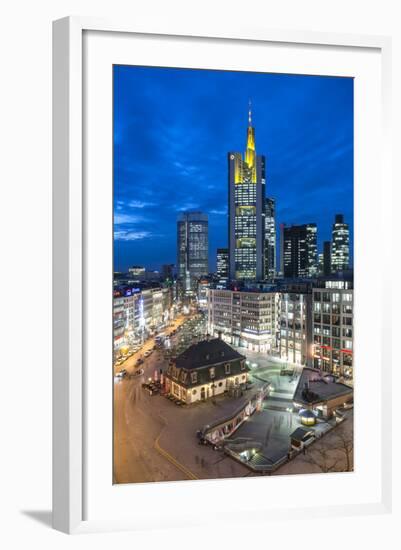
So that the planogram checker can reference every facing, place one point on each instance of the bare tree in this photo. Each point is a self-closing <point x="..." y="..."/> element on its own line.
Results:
<point x="344" y="443"/>
<point x="334" y="452"/>
<point x="323" y="457"/>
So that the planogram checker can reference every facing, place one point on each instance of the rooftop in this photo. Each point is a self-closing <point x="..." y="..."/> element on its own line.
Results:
<point x="300" y="434"/>
<point x="314" y="387"/>
<point x="205" y="353"/>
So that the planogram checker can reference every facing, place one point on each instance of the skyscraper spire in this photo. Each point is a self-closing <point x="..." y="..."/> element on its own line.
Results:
<point x="250" y="154"/>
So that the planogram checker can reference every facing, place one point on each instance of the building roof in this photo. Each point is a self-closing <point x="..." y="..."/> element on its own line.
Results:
<point x="207" y="353"/>
<point x="299" y="434"/>
<point x="205" y="363"/>
<point x="313" y="387"/>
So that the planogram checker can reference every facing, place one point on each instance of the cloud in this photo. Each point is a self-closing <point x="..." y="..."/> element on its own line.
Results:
<point x="131" y="235"/>
<point x="217" y="212"/>
<point x="140" y="204"/>
<point x="120" y="219"/>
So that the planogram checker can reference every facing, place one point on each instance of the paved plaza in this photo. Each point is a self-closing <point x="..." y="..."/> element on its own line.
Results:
<point x="155" y="440"/>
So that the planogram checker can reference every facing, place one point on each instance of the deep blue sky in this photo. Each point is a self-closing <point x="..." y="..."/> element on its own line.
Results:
<point x="174" y="127"/>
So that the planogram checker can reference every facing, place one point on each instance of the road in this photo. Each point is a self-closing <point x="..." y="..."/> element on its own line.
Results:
<point x="137" y="426"/>
<point x="129" y="364"/>
<point x="137" y="423"/>
<point x="154" y="440"/>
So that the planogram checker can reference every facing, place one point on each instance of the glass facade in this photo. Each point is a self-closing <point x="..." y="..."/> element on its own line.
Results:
<point x="300" y="250"/>
<point x="246" y="211"/>
<point x="192" y="249"/>
<point x="340" y="245"/>
<point x="270" y="238"/>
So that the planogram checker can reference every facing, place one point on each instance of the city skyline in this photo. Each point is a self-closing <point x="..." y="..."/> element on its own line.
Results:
<point x="170" y="161"/>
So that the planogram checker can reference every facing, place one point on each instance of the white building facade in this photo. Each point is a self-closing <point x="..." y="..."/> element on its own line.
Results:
<point x="247" y="319"/>
<point x="295" y="327"/>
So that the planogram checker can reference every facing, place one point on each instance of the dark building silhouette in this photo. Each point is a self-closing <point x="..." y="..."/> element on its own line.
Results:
<point x="326" y="258"/>
<point x="299" y="249"/>
<point x="270" y="238"/>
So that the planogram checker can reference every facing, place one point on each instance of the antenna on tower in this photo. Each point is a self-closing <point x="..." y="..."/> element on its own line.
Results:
<point x="250" y="113"/>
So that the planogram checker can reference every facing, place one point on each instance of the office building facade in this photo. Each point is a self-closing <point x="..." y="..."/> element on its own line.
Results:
<point x="333" y="328"/>
<point x="270" y="238"/>
<point x="299" y="250"/>
<point x="326" y="258"/>
<point x="340" y="245"/>
<point x="295" y="327"/>
<point x="192" y="249"/>
<point x="137" y="313"/>
<point x="247" y="319"/>
<point x="246" y="183"/>
<point x="222" y="265"/>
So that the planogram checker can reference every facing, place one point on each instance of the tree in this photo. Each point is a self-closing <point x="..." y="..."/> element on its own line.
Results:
<point x="344" y="443"/>
<point x="334" y="452"/>
<point x="322" y="456"/>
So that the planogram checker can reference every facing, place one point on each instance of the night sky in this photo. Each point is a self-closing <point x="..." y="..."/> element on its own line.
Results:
<point x="173" y="129"/>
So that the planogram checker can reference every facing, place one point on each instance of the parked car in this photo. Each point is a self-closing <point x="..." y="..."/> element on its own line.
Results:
<point x="121" y="374"/>
<point x="138" y="372"/>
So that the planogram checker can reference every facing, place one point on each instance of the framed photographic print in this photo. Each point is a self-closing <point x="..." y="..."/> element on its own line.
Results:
<point x="218" y="212"/>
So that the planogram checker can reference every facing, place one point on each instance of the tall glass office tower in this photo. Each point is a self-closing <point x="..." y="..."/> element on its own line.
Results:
<point x="246" y="223"/>
<point x="192" y="249"/>
<point x="299" y="250"/>
<point x="270" y="238"/>
<point x="340" y="245"/>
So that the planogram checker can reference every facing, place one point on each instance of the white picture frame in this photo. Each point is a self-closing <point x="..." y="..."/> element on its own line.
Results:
<point x="69" y="259"/>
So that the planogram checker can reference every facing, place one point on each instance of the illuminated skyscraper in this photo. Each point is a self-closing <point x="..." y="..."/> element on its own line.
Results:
<point x="246" y="181"/>
<point x="299" y="248"/>
<point x="192" y="249"/>
<point x="222" y="266"/>
<point x="270" y="238"/>
<point x="340" y="245"/>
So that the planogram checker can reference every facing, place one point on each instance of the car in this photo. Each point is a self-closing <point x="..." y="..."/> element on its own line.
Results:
<point x="121" y="374"/>
<point x="138" y="372"/>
